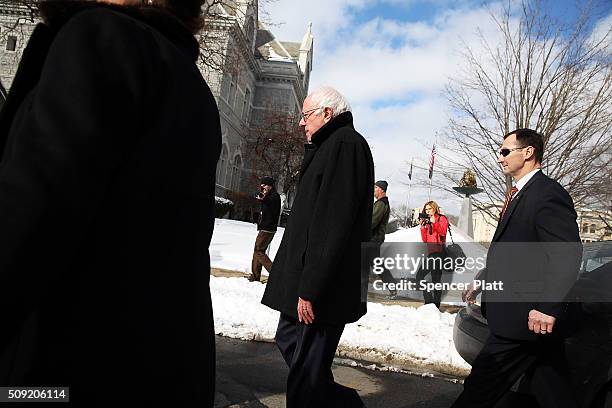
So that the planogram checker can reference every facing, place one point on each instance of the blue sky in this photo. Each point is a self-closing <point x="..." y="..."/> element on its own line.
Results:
<point x="392" y="59"/>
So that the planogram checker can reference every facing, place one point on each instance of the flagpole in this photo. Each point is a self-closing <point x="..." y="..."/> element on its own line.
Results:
<point x="409" y="191"/>
<point x="431" y="165"/>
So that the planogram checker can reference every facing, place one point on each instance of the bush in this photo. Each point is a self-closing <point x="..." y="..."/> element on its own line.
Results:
<point x="222" y="206"/>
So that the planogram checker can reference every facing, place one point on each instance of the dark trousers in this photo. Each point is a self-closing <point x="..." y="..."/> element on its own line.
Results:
<point x="502" y="362"/>
<point x="309" y="352"/>
<point x="260" y="258"/>
<point x="434" y="296"/>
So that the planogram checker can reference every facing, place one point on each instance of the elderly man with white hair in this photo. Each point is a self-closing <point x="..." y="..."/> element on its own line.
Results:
<point x="316" y="280"/>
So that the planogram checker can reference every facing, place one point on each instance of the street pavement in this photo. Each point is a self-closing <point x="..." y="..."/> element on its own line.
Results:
<point x="253" y="374"/>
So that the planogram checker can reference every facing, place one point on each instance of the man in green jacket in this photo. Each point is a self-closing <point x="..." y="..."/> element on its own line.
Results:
<point x="380" y="218"/>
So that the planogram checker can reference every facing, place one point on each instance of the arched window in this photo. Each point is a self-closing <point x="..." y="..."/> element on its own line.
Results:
<point x="593" y="228"/>
<point x="236" y="170"/>
<point x="222" y="166"/>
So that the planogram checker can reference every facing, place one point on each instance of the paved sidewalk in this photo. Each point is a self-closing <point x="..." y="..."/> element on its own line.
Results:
<point x="252" y="374"/>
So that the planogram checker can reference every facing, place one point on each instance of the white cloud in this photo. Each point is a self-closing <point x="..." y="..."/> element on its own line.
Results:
<point x="603" y="33"/>
<point x="290" y="17"/>
<point x="393" y="73"/>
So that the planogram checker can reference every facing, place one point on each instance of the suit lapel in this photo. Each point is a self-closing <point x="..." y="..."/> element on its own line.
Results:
<point x="26" y="78"/>
<point x="513" y="204"/>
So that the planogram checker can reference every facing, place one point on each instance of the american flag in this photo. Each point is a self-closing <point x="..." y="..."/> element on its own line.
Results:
<point x="431" y="161"/>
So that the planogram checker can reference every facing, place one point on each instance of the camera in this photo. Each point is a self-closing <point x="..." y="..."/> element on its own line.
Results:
<point x="260" y="195"/>
<point x="423" y="216"/>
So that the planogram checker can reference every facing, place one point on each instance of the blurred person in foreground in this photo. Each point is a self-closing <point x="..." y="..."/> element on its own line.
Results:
<point x="109" y="140"/>
<point x="536" y="253"/>
<point x="316" y="276"/>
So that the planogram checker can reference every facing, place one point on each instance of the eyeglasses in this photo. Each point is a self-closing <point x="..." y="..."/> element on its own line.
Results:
<point x="505" y="151"/>
<point x="306" y="115"/>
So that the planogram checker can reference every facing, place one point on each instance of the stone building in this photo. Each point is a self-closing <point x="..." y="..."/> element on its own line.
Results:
<point x="259" y="74"/>
<point x="248" y="69"/>
<point x="593" y="225"/>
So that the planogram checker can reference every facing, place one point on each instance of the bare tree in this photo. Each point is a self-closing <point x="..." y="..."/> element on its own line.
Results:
<point x="275" y="147"/>
<point x="544" y="75"/>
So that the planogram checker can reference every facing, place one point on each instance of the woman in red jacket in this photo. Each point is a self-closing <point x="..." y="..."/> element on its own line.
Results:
<point x="433" y="233"/>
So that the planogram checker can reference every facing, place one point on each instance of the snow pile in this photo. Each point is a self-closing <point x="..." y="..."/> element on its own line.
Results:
<point x="232" y="245"/>
<point x="398" y="336"/>
<point x="221" y="200"/>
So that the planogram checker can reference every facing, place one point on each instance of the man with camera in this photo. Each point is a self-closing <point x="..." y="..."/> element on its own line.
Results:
<point x="268" y="219"/>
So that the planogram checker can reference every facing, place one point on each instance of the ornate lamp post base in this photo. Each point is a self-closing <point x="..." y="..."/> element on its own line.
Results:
<point x="468" y="188"/>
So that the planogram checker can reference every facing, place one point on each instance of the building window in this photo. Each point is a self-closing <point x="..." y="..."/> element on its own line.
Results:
<point x="585" y="228"/>
<point x="593" y="228"/>
<point x="222" y="166"/>
<point x="11" y="43"/>
<point x="237" y="168"/>
<point x="245" y="105"/>
<point x="232" y="90"/>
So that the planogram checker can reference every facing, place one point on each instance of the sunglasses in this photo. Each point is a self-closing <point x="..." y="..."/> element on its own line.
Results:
<point x="505" y="151"/>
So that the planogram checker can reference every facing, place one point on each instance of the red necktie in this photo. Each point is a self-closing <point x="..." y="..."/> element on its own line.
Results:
<point x="509" y="196"/>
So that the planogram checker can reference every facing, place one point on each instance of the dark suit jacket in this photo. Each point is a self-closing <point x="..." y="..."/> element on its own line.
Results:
<point x="319" y="257"/>
<point x="109" y="141"/>
<point x="270" y="211"/>
<point x="536" y="252"/>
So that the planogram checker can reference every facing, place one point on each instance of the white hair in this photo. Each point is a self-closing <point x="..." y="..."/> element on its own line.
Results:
<point x="328" y="97"/>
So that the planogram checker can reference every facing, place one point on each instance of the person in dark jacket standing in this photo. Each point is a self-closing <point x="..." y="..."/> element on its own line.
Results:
<point x="536" y="253"/>
<point x="316" y="276"/>
<point x="380" y="212"/>
<point x="380" y="219"/>
<point x="109" y="141"/>
<point x="268" y="220"/>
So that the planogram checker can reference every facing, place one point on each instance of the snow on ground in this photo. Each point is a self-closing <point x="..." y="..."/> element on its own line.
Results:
<point x="232" y="245"/>
<point x="232" y="248"/>
<point x="398" y="336"/>
<point x="403" y="337"/>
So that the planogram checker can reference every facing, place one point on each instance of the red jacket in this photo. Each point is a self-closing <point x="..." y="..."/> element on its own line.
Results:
<point x="437" y="235"/>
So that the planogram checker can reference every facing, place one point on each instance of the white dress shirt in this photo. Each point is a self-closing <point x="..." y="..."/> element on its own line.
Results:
<point x="523" y="180"/>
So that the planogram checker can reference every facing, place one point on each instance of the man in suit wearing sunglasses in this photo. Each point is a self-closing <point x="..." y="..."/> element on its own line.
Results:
<point x="536" y="252"/>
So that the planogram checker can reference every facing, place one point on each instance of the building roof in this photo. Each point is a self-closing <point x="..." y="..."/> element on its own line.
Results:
<point x="272" y="49"/>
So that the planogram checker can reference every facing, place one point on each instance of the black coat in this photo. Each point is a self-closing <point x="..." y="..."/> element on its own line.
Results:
<point x="320" y="254"/>
<point x="110" y="138"/>
<point x="536" y="252"/>
<point x="270" y="211"/>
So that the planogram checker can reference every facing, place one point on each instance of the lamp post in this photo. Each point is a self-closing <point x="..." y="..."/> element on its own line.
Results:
<point x="467" y="186"/>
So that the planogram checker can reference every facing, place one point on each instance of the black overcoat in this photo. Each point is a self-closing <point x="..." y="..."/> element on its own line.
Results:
<point x="536" y="252"/>
<point x="320" y="255"/>
<point x="109" y="138"/>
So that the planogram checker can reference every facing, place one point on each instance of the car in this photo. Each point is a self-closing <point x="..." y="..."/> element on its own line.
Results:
<point x="588" y="349"/>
